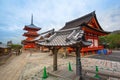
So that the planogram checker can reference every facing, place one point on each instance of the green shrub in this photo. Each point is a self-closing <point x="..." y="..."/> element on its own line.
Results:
<point x="111" y="41"/>
<point x="16" y="46"/>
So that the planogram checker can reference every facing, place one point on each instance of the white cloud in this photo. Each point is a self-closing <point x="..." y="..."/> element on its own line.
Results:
<point x="50" y="14"/>
<point x="110" y="20"/>
<point x="10" y="28"/>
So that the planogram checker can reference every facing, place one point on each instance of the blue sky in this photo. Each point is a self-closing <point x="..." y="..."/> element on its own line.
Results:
<point x="48" y="14"/>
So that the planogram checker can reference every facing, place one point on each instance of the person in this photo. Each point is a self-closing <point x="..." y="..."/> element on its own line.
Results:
<point x="20" y="50"/>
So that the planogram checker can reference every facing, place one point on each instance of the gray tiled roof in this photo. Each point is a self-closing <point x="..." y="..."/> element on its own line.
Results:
<point x="66" y="37"/>
<point x="79" y="21"/>
<point x="28" y="33"/>
<point x="44" y="35"/>
<point x="47" y="32"/>
<point x="82" y="20"/>
<point x="32" y="26"/>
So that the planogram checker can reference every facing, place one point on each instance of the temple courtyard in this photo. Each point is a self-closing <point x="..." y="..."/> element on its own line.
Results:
<point x="30" y="67"/>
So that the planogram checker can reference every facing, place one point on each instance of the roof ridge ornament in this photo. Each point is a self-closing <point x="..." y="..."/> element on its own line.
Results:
<point x="32" y="19"/>
<point x="51" y="37"/>
<point x="69" y="37"/>
<point x="70" y="29"/>
<point x="93" y="13"/>
<point x="78" y="35"/>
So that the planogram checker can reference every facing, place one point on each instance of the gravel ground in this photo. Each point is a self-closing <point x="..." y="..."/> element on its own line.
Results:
<point x="33" y="69"/>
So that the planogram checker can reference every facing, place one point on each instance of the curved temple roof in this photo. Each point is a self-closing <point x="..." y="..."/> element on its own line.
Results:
<point x="32" y="25"/>
<point x="68" y="37"/>
<point x="79" y="21"/>
<point x="82" y="20"/>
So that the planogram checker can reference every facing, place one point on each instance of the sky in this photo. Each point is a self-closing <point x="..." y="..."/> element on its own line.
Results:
<point x="49" y="14"/>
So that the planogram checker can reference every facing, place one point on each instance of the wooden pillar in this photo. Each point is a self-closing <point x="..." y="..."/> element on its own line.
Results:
<point x="82" y="53"/>
<point x="93" y="52"/>
<point x="65" y="52"/>
<point x="78" y="63"/>
<point x="51" y="53"/>
<point x="42" y="48"/>
<point x="31" y="51"/>
<point x="55" y="51"/>
<point x="93" y="41"/>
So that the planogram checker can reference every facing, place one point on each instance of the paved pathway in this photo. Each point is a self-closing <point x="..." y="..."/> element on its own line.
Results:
<point x="12" y="69"/>
<point x="114" y="56"/>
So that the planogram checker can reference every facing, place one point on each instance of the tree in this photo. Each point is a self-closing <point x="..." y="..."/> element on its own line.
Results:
<point x="16" y="46"/>
<point x="111" y="41"/>
<point x="103" y="41"/>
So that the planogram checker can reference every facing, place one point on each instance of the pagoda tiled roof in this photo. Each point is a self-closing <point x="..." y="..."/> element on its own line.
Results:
<point x="30" y="34"/>
<point x="67" y="37"/>
<point x="32" y="26"/>
<point x="27" y="41"/>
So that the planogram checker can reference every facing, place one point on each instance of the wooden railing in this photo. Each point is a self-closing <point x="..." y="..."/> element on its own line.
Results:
<point x="92" y="48"/>
<point x="86" y="49"/>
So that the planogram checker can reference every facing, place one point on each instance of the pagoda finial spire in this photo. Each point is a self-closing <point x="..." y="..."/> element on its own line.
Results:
<point x="32" y="19"/>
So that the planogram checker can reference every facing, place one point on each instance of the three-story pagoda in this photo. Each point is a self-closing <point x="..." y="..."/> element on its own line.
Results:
<point x="31" y="34"/>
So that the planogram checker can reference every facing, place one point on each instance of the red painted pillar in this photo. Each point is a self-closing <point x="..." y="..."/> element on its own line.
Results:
<point x="87" y="53"/>
<point x="93" y="52"/>
<point x="82" y="53"/>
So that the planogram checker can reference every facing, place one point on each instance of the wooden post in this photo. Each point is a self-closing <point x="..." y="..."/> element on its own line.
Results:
<point x="82" y="53"/>
<point x="51" y="53"/>
<point x="65" y="52"/>
<point x="54" y="50"/>
<point x="78" y="63"/>
<point x="42" y="48"/>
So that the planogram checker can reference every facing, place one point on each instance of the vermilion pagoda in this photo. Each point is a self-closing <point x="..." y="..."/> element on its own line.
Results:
<point x="31" y="34"/>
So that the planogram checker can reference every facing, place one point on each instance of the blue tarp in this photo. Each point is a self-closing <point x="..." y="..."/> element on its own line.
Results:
<point x="99" y="52"/>
<point x="104" y="51"/>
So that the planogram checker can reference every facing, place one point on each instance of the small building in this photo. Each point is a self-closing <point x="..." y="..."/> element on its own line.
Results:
<point x="9" y="43"/>
<point x="73" y="37"/>
<point x="4" y="49"/>
<point x="31" y="34"/>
